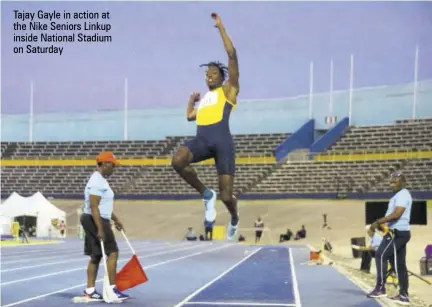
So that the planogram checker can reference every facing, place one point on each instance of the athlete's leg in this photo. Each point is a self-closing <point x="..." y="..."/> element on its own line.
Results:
<point x="226" y="183"/>
<point x="226" y="186"/>
<point x="181" y="163"/>
<point x="195" y="150"/>
<point x="225" y="164"/>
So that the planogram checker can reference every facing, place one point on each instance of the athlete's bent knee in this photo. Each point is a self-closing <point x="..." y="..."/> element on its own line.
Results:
<point x="180" y="160"/>
<point x="178" y="163"/>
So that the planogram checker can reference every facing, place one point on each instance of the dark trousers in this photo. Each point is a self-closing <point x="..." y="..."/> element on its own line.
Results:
<point x="366" y="260"/>
<point x="393" y="246"/>
<point x="258" y="235"/>
<point x="92" y="245"/>
<point x="284" y="237"/>
<point x="209" y="233"/>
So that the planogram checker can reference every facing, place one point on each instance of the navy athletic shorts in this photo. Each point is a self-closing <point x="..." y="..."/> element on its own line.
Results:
<point x="222" y="149"/>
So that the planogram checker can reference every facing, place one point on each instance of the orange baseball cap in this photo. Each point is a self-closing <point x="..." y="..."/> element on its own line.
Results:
<point x="107" y="156"/>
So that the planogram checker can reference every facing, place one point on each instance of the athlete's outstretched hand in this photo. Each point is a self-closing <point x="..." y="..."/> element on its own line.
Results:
<point x="216" y="17"/>
<point x="195" y="97"/>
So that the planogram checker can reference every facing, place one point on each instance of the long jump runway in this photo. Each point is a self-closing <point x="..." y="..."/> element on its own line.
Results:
<point x="190" y="274"/>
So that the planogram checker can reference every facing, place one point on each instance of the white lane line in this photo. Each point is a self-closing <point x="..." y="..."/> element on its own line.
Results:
<point x="76" y="260"/>
<point x="58" y="255"/>
<point x="99" y="280"/>
<point x="83" y="268"/>
<point x="249" y="304"/>
<point x="55" y="248"/>
<point x="216" y="278"/>
<point x="294" y="279"/>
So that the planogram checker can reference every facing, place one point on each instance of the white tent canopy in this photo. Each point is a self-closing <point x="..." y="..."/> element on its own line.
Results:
<point x="37" y="206"/>
<point x="5" y="223"/>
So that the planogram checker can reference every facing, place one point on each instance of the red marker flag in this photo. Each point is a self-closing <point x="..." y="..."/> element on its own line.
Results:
<point x="131" y="275"/>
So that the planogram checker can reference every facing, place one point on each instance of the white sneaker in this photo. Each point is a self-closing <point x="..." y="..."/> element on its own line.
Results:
<point x="210" y="208"/>
<point x="232" y="230"/>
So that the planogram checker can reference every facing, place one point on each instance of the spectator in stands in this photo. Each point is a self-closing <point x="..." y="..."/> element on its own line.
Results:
<point x="213" y="138"/>
<point x="208" y="229"/>
<point x="368" y="252"/>
<point x="301" y="234"/>
<point x="96" y="222"/>
<point x="397" y="225"/>
<point x="190" y="235"/>
<point x="286" y="236"/>
<point x="259" y="226"/>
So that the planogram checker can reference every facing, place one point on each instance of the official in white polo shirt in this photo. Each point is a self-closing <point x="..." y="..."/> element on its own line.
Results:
<point x="397" y="219"/>
<point x="96" y="222"/>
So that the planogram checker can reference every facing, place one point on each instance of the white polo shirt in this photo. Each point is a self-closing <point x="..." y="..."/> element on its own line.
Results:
<point x="99" y="186"/>
<point x="400" y="199"/>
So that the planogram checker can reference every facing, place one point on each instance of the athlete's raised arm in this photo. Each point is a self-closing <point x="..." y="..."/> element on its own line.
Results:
<point x="191" y="111"/>
<point x="233" y="67"/>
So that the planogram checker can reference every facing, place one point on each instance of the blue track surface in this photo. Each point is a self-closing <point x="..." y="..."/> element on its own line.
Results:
<point x="196" y="274"/>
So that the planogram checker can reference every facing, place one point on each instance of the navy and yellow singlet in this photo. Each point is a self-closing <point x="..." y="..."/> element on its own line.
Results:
<point x="213" y="138"/>
<point x="213" y="113"/>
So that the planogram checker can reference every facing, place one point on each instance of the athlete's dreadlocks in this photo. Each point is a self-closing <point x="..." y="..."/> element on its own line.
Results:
<point x="222" y="68"/>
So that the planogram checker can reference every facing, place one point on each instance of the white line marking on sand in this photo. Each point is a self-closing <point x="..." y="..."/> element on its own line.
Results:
<point x="294" y="279"/>
<point x="99" y="280"/>
<point x="216" y="278"/>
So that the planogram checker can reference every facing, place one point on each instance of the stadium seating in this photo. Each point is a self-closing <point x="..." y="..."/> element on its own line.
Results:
<point x="163" y="179"/>
<point x="3" y="148"/>
<point x="127" y="180"/>
<point x="403" y="135"/>
<point x="59" y="150"/>
<point x="328" y="176"/>
<point x="58" y="179"/>
<point x="325" y="177"/>
<point x="418" y="173"/>
<point x="130" y="179"/>
<point x="246" y="145"/>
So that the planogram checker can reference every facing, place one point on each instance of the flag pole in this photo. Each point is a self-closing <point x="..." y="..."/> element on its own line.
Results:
<point x="127" y="242"/>
<point x="311" y="71"/>
<point x="31" y="118"/>
<point x="351" y="82"/>
<point x="126" y="98"/>
<point x="415" y="83"/>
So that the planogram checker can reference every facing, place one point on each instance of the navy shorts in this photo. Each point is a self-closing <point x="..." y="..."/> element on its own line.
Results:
<point x="222" y="150"/>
